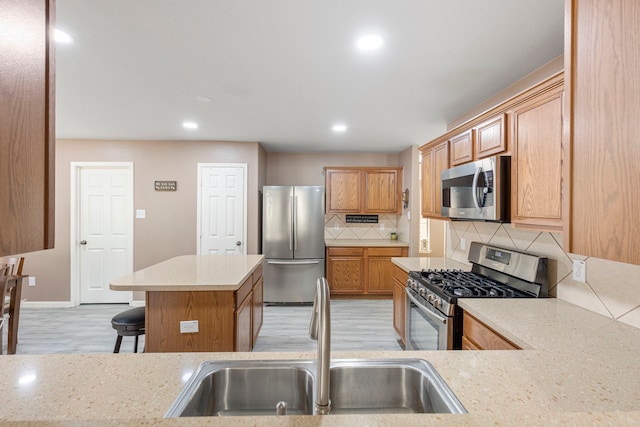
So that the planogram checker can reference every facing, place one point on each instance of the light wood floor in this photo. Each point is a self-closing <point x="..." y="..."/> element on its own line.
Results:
<point x="355" y="324"/>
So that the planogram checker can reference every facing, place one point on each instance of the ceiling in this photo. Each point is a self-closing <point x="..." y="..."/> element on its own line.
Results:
<point x="282" y="72"/>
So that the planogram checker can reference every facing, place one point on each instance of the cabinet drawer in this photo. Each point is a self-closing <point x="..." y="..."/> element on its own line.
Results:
<point x="482" y="337"/>
<point x="372" y="251"/>
<point x="243" y="291"/>
<point x="346" y="252"/>
<point x="257" y="274"/>
<point x="400" y="275"/>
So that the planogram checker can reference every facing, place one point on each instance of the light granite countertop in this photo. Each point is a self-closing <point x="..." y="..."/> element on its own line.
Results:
<point x="191" y="273"/>
<point x="365" y="243"/>
<point x="577" y="368"/>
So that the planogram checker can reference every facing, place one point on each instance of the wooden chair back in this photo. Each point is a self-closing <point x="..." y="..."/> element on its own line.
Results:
<point x="14" y="265"/>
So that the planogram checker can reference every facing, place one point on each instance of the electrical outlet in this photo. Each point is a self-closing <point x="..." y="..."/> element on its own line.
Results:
<point x="382" y="226"/>
<point x="32" y="280"/>
<point x="579" y="271"/>
<point x="141" y="213"/>
<point x="188" y="326"/>
<point x="463" y="243"/>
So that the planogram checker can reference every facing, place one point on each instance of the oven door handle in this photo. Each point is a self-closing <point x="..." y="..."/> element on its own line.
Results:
<point x="426" y="309"/>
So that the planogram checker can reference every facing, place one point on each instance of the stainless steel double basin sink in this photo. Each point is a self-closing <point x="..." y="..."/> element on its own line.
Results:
<point x="225" y="388"/>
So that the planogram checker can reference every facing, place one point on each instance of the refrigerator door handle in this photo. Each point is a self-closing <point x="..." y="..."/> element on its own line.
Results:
<point x="293" y="220"/>
<point x="293" y="262"/>
<point x="295" y="223"/>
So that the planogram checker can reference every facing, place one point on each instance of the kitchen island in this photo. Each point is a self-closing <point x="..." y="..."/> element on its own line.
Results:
<point x="200" y="302"/>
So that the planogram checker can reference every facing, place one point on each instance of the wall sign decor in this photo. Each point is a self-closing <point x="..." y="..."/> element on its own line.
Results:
<point x="362" y="219"/>
<point x="166" y="185"/>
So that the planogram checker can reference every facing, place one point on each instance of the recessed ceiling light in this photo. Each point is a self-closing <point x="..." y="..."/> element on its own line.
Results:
<point x="189" y="125"/>
<point x="370" y="42"/>
<point x="339" y="127"/>
<point x="204" y="99"/>
<point x="62" y="37"/>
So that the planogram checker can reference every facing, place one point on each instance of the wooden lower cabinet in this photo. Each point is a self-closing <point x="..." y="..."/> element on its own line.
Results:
<point x="478" y="336"/>
<point x="399" y="301"/>
<point x="227" y="320"/>
<point x="243" y="325"/>
<point x="362" y="271"/>
<point x="258" y="304"/>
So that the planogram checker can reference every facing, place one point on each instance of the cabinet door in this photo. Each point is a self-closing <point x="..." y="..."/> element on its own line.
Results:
<point x="441" y="163"/>
<point x="343" y="189"/>
<point x="399" y="308"/>
<point x="380" y="269"/>
<point x="490" y="137"/>
<point x="345" y="270"/>
<point x="258" y="304"/>
<point x="382" y="190"/>
<point x="434" y="160"/>
<point x="399" y="301"/>
<point x="604" y="151"/>
<point x="243" y="334"/>
<point x="462" y="148"/>
<point x="537" y="162"/>
<point x="427" y="186"/>
<point x="27" y="126"/>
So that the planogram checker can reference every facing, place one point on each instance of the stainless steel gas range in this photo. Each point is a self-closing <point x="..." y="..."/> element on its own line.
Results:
<point x="434" y="319"/>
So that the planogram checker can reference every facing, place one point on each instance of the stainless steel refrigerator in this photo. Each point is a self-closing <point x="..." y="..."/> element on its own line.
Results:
<point x="292" y="242"/>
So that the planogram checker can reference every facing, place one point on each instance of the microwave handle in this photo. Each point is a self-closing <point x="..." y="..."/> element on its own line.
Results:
<point x="474" y="189"/>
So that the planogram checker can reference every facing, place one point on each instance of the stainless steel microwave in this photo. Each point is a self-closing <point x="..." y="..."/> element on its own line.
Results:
<point x="478" y="190"/>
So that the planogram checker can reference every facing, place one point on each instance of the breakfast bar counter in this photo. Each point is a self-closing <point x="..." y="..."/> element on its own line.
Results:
<point x="200" y="302"/>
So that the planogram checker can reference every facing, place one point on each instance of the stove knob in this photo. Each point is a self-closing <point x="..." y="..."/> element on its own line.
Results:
<point x="437" y="303"/>
<point x="421" y="292"/>
<point x="430" y="298"/>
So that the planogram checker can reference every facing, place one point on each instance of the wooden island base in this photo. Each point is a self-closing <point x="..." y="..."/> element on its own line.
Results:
<point x="220" y="301"/>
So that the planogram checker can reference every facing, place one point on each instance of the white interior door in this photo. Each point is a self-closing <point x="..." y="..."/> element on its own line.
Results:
<point x="105" y="235"/>
<point x="222" y="209"/>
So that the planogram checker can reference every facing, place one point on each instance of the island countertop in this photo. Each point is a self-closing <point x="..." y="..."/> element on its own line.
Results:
<point x="191" y="273"/>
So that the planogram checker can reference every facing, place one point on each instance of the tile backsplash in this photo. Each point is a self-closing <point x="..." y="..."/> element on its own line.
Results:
<point x="336" y="227"/>
<point x="612" y="289"/>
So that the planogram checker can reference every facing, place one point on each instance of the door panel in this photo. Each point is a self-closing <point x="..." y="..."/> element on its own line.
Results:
<point x="106" y="225"/>
<point x="277" y="219"/>
<point x="309" y="225"/>
<point x="222" y="201"/>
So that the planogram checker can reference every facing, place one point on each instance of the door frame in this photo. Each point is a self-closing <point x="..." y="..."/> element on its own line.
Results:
<point x="74" y="229"/>
<point x="201" y="166"/>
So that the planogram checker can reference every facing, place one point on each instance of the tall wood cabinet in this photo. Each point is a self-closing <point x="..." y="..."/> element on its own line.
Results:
<point x="27" y="126"/>
<point x="363" y="190"/>
<point x="435" y="159"/>
<point x="602" y="63"/>
<point x="536" y="161"/>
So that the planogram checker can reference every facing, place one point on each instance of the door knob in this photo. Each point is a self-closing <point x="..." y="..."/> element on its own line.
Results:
<point x="83" y="242"/>
<point x="238" y="243"/>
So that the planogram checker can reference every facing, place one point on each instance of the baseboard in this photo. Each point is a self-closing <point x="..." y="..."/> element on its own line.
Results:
<point x="46" y="304"/>
<point x="64" y="304"/>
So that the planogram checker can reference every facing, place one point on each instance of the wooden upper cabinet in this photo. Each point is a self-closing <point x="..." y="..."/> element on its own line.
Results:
<point x="602" y="61"/>
<point x="382" y="191"/>
<point x="537" y="137"/>
<point x="490" y="137"/>
<point x="483" y="140"/>
<point x="343" y="188"/>
<point x="462" y="148"/>
<point x="435" y="159"/>
<point x="27" y="126"/>
<point x="363" y="190"/>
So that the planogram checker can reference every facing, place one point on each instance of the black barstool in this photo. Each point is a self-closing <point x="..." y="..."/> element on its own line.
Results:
<point x="128" y="323"/>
